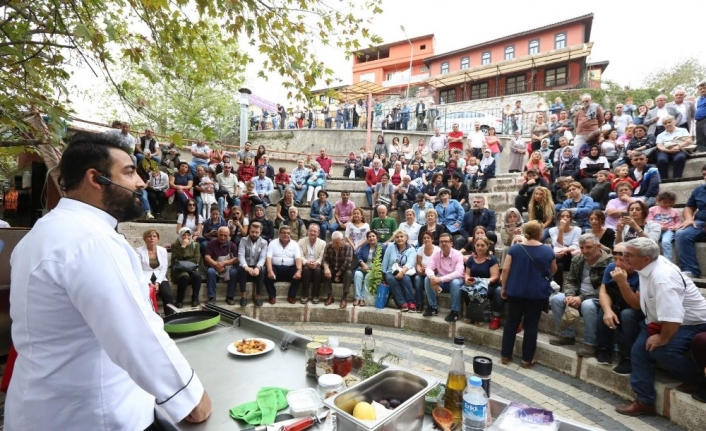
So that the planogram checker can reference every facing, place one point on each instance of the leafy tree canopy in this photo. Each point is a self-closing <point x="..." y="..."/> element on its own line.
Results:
<point x="41" y="41"/>
<point x="686" y="74"/>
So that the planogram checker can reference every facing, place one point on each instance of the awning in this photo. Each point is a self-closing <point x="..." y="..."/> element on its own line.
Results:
<point x="509" y="66"/>
<point x="358" y="90"/>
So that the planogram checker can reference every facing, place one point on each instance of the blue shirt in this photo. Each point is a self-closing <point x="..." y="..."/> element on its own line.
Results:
<point x="700" y="108"/>
<point x="633" y="279"/>
<point x="182" y="180"/>
<point x="451" y="216"/>
<point x="524" y="279"/>
<point x="321" y="210"/>
<point x="481" y="270"/>
<point x="697" y="200"/>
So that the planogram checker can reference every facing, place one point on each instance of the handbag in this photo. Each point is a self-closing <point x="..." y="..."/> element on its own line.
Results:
<point x="185" y="266"/>
<point x="384" y="200"/>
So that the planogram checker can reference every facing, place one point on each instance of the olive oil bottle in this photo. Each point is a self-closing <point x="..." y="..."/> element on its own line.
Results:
<point x="456" y="382"/>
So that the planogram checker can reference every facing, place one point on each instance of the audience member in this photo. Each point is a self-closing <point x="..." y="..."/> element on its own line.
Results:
<point x="282" y="180"/>
<point x="337" y="264"/>
<point x="365" y="256"/>
<point x="589" y="118"/>
<point x="481" y="265"/>
<point x="671" y="148"/>
<point x="565" y="241"/>
<point x="296" y="224"/>
<point x="356" y="229"/>
<point x="199" y="156"/>
<point x="284" y="263"/>
<point x="487" y="170"/>
<point x="673" y="317"/>
<point x="221" y="261"/>
<point x="411" y="228"/>
<point x="636" y="224"/>
<point x="383" y="225"/>
<point x="532" y="181"/>
<point x="185" y="249"/>
<point x="299" y="176"/>
<point x="191" y="219"/>
<point x="398" y="268"/>
<point x="541" y="207"/>
<point x="155" y="261"/>
<point x="312" y="252"/>
<point x="567" y="165"/>
<point x="450" y="212"/>
<point x="619" y="298"/>
<point x="600" y="192"/>
<point x="593" y="163"/>
<point x="268" y="228"/>
<point x="597" y="221"/>
<point x="656" y="116"/>
<point x="263" y="186"/>
<point x="444" y="274"/>
<point x="692" y="229"/>
<point x="518" y="149"/>
<point x="579" y="204"/>
<point x="180" y="183"/>
<point x="667" y="218"/>
<point x="252" y="252"/>
<point x="325" y="162"/>
<point x="581" y="292"/>
<point x="157" y="187"/>
<point x="316" y="182"/>
<point x="372" y="177"/>
<point x="526" y="277"/>
<point x="227" y="194"/>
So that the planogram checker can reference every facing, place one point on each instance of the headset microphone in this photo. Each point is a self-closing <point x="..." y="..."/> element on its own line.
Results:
<point x="107" y="182"/>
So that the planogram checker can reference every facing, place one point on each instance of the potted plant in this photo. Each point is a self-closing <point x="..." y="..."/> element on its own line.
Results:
<point x="374" y="280"/>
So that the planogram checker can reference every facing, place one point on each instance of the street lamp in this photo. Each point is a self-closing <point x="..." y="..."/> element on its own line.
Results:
<point x="244" y="123"/>
<point x="411" y="53"/>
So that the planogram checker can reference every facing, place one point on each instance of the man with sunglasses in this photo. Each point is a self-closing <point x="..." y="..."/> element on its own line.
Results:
<point x="619" y="297"/>
<point x="675" y="313"/>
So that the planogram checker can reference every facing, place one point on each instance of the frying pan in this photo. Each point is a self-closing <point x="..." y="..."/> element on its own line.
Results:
<point x="184" y="322"/>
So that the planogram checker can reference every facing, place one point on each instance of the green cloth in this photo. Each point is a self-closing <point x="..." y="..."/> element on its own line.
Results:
<point x="263" y="410"/>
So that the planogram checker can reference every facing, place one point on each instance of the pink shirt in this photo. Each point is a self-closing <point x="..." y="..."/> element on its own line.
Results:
<point x="665" y="217"/>
<point x="447" y="268"/>
<point x="615" y="204"/>
<point x="344" y="211"/>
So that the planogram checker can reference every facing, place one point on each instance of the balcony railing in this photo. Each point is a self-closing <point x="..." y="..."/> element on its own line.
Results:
<point x="400" y="80"/>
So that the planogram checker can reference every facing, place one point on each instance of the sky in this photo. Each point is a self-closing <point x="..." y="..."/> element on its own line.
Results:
<point x="621" y="34"/>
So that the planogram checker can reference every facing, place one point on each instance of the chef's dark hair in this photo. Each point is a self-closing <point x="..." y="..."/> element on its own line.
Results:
<point x="86" y="151"/>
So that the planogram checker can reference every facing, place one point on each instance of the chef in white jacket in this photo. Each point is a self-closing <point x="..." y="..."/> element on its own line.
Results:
<point x="92" y="354"/>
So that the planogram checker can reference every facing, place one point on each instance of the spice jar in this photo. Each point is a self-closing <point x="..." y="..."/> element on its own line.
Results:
<point x="310" y="355"/>
<point x="321" y="339"/>
<point x="330" y="385"/>
<point x="324" y="361"/>
<point x="342" y="361"/>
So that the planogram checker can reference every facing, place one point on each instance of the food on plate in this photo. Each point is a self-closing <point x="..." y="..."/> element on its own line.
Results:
<point x="249" y="347"/>
<point x="364" y="411"/>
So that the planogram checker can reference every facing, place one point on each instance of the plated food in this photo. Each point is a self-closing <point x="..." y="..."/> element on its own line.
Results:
<point x="250" y="346"/>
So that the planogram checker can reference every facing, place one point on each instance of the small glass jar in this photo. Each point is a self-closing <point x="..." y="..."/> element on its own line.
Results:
<point x="342" y="361"/>
<point x="330" y="385"/>
<point x="310" y="356"/>
<point x="321" y="339"/>
<point x="324" y="361"/>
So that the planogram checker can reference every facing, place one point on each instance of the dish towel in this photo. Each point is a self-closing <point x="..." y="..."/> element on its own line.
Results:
<point x="262" y="411"/>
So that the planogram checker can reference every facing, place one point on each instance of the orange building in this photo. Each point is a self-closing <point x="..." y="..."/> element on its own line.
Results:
<point x="388" y="65"/>
<point x="553" y="57"/>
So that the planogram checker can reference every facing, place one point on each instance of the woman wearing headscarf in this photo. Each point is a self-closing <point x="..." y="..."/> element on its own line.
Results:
<point x="487" y="169"/>
<point x="268" y="228"/>
<point x="568" y="165"/>
<point x="590" y="166"/>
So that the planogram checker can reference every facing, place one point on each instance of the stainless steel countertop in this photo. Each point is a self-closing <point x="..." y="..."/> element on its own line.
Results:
<point x="232" y="380"/>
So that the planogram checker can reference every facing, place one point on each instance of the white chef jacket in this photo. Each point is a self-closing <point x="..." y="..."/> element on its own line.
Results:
<point x="92" y="353"/>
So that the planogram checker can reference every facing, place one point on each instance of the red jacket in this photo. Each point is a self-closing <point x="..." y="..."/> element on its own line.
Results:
<point x="371" y="179"/>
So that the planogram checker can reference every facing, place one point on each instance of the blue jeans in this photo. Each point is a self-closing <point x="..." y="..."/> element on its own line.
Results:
<point x="299" y="195"/>
<point x="359" y="279"/>
<point x="453" y="287"/>
<point x="369" y="195"/>
<point x="672" y="357"/>
<point x="418" y="284"/>
<point x="222" y="203"/>
<point x="627" y="330"/>
<point x="212" y="278"/>
<point x="471" y="180"/>
<point x="145" y="202"/>
<point x="588" y="309"/>
<point x="401" y="290"/>
<point x="685" y="240"/>
<point x="199" y="205"/>
<point x="667" y="238"/>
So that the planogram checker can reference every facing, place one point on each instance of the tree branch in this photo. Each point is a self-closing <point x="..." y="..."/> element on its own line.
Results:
<point x="20" y="143"/>
<point x="34" y="42"/>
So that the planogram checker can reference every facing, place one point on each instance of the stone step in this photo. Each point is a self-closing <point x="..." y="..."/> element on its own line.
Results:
<point x="682" y="189"/>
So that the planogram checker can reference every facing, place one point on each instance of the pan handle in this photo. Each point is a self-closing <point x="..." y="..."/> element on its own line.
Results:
<point x="176" y="310"/>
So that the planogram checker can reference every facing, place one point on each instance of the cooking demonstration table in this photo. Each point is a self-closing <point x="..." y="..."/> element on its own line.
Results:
<point x="232" y="380"/>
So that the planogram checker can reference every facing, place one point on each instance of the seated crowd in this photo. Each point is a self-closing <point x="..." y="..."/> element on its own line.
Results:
<point x="603" y="228"/>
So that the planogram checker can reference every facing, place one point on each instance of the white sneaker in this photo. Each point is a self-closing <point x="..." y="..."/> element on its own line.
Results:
<point x="688" y="274"/>
<point x="171" y="199"/>
<point x="149" y="215"/>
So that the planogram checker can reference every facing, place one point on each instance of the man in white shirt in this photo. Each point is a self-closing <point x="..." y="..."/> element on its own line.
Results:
<point x="476" y="141"/>
<point x="105" y="359"/>
<point x="199" y="154"/>
<point x="438" y="142"/>
<point x="312" y="252"/>
<point x="621" y="120"/>
<point x="284" y="263"/>
<point x="654" y="118"/>
<point x="675" y="312"/>
<point x="227" y="187"/>
<point x="685" y="108"/>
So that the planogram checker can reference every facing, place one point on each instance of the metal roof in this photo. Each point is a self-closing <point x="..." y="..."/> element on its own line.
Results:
<point x="587" y="36"/>
<point x="362" y="88"/>
<point x="510" y="66"/>
<point x="376" y="48"/>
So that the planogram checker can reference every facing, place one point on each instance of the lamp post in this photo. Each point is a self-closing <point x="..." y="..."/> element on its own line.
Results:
<point x="411" y="54"/>
<point x="244" y="123"/>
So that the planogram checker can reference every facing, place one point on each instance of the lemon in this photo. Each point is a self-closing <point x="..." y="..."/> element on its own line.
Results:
<point x="364" y="411"/>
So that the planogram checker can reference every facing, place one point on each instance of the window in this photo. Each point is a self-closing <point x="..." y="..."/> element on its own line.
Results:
<point x="444" y="67"/>
<point x="560" y="41"/>
<point x="554" y="77"/>
<point x="322" y="98"/>
<point x="479" y="91"/>
<point x="465" y="62"/>
<point x="515" y="84"/>
<point x="485" y="58"/>
<point x="388" y="76"/>
<point x="422" y="47"/>
<point x="424" y="69"/>
<point x="509" y="52"/>
<point x="448" y="96"/>
<point x="534" y="46"/>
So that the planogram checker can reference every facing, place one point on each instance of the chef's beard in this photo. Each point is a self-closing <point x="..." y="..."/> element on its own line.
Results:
<point x="121" y="204"/>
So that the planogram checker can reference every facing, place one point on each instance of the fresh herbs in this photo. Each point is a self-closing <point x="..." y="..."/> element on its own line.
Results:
<point x="375" y="276"/>
<point x="370" y="367"/>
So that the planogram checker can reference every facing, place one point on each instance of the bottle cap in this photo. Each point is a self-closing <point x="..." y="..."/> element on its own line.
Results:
<point x="368" y="330"/>
<point x="324" y="351"/>
<point x="458" y="340"/>
<point x="330" y="380"/>
<point x="475" y="381"/>
<point x="342" y="352"/>
<point x="313" y="346"/>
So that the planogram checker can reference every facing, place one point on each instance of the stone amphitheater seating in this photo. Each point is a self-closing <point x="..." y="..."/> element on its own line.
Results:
<point x="679" y="407"/>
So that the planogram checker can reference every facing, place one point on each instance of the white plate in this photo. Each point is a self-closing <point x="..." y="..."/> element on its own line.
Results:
<point x="269" y="345"/>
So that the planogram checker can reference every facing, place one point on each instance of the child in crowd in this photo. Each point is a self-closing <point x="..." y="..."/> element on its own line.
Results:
<point x="560" y="188"/>
<point x="282" y="180"/>
<point x="460" y="161"/>
<point x="599" y="193"/>
<point x="208" y="192"/>
<point x="471" y="173"/>
<point x="440" y="159"/>
<point x="668" y="218"/>
<point x="621" y="174"/>
<point x="250" y="199"/>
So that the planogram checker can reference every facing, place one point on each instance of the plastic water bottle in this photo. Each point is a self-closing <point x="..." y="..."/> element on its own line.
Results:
<point x="475" y="406"/>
